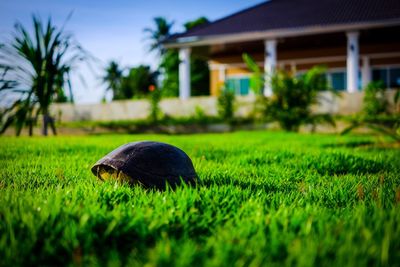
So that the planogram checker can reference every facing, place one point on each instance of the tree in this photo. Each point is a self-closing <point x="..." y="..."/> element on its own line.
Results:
<point x="199" y="71"/>
<point x="169" y="61"/>
<point x="169" y="66"/>
<point x="195" y="23"/>
<point x="36" y="70"/>
<point x="158" y="34"/>
<point x="137" y="82"/>
<point x="113" y="78"/>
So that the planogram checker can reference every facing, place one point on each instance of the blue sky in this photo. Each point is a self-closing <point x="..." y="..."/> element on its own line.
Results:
<point x="112" y="30"/>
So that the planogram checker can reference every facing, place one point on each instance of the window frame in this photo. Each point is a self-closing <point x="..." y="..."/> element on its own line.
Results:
<point x="238" y="77"/>
<point x="387" y="68"/>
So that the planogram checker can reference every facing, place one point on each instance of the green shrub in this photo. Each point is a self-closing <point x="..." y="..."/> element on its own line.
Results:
<point x="155" y="98"/>
<point x="375" y="114"/>
<point x="226" y="103"/>
<point x="199" y="113"/>
<point x="293" y="96"/>
<point x="257" y="80"/>
<point x="260" y="106"/>
<point x="375" y="102"/>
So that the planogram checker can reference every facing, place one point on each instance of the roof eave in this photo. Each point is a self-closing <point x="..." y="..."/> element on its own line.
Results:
<point x="277" y="33"/>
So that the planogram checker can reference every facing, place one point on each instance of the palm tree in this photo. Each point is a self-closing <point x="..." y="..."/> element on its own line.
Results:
<point x="36" y="70"/>
<point x="113" y="78"/>
<point x="159" y="33"/>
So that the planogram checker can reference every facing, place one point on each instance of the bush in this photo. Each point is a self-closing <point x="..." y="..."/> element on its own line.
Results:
<point x="375" y="102"/>
<point x="226" y="101"/>
<point x="375" y="114"/>
<point x="155" y="98"/>
<point x="293" y="96"/>
<point x="199" y="113"/>
<point x="136" y="83"/>
<point x="258" y="114"/>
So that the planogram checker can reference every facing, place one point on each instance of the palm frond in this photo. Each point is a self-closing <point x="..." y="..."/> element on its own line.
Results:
<point x="36" y="65"/>
<point x="350" y="128"/>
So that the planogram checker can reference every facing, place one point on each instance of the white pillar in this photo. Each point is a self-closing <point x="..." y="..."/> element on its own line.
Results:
<point x="293" y="67"/>
<point x="353" y="58"/>
<point x="269" y="64"/>
<point x="184" y="73"/>
<point x="365" y="72"/>
<point x="222" y="73"/>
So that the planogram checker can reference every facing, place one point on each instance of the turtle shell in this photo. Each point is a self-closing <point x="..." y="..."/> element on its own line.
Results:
<point x="151" y="164"/>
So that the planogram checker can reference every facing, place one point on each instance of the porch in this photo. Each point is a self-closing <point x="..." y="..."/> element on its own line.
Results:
<point x="353" y="57"/>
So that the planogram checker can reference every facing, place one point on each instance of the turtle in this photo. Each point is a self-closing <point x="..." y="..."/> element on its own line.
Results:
<point x="147" y="163"/>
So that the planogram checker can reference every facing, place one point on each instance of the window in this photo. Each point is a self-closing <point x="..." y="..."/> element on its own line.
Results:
<point x="390" y="76"/>
<point x="239" y="85"/>
<point x="394" y="78"/>
<point x="380" y="75"/>
<point x="338" y="80"/>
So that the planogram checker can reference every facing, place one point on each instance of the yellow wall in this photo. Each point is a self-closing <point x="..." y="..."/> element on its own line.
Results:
<point x="237" y="71"/>
<point x="216" y="83"/>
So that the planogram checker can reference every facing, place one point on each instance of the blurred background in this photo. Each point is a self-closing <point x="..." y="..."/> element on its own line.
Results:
<point x="111" y="30"/>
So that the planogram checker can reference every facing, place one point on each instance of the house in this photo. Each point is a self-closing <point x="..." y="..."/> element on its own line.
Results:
<point x="357" y="40"/>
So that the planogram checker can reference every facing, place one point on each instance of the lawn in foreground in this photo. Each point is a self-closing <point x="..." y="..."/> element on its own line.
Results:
<point x="266" y="198"/>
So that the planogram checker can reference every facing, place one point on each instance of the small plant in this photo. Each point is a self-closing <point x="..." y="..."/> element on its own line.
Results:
<point x="386" y="125"/>
<point x="375" y="114"/>
<point x="292" y="97"/>
<point x="257" y="80"/>
<point x="375" y="102"/>
<point x="226" y="103"/>
<point x="199" y="114"/>
<point x="396" y="100"/>
<point x="260" y="106"/>
<point x="155" y="98"/>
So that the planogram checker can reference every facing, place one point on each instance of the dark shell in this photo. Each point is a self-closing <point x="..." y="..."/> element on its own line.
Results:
<point x="151" y="164"/>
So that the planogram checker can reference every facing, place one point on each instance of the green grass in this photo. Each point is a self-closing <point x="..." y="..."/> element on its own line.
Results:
<point x="266" y="199"/>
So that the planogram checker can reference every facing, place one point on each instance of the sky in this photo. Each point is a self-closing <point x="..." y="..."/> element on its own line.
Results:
<point x="111" y="30"/>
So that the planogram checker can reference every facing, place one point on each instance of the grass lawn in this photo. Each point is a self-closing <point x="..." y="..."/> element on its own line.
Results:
<point x="266" y="198"/>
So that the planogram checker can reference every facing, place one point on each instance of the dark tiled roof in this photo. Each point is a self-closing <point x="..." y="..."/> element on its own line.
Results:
<point x="289" y="14"/>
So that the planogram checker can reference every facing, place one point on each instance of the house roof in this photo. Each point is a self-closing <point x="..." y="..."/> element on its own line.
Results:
<point x="275" y="16"/>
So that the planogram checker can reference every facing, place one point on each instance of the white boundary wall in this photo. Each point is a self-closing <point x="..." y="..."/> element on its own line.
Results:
<point x="347" y="103"/>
